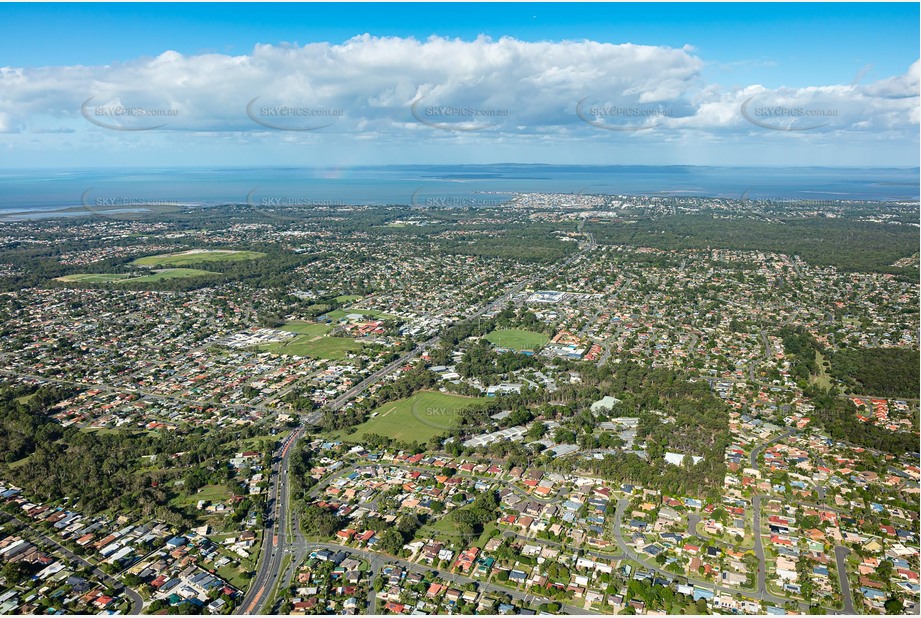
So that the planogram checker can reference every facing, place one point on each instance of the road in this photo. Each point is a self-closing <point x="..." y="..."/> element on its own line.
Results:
<point x="380" y="560"/>
<point x="493" y="305"/>
<point x="753" y="458"/>
<point x="840" y="558"/>
<point x="137" y="603"/>
<point x="275" y="532"/>
<point x="761" y="594"/>
<point x="759" y="545"/>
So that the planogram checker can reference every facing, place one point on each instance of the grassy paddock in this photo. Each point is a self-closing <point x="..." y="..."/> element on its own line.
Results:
<point x="94" y="278"/>
<point x="516" y="339"/>
<point x="197" y="256"/>
<point x="312" y="341"/>
<point x="419" y="417"/>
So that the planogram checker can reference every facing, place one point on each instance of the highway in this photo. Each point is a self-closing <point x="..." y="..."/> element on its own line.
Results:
<point x="274" y="533"/>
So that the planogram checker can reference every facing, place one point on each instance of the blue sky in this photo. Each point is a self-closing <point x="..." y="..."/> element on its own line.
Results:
<point x="685" y="78"/>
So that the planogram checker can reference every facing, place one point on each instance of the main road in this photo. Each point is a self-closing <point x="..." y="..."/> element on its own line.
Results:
<point x="493" y="305"/>
<point x="274" y="533"/>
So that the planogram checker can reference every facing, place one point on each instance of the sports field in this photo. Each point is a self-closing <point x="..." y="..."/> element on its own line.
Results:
<point x="312" y="341"/>
<point x="515" y="339"/>
<point x="425" y="414"/>
<point x="347" y="298"/>
<point x="197" y="256"/>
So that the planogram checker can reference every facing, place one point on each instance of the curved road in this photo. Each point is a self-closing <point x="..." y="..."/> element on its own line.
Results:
<point x="376" y="559"/>
<point x="618" y="521"/>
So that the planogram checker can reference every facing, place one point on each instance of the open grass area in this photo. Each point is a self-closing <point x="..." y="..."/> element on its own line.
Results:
<point x="234" y="576"/>
<point x="312" y="341"/>
<point x="261" y="443"/>
<point x="445" y="529"/>
<point x="210" y="493"/>
<point x="425" y="414"/>
<point x="19" y="462"/>
<point x="516" y="339"/>
<point x="306" y="328"/>
<point x="169" y="273"/>
<point x="197" y="256"/>
<point x="94" y="278"/>
<point x="347" y="298"/>
<point x="822" y="379"/>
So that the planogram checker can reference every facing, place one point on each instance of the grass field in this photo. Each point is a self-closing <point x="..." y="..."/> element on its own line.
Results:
<point x="94" y="278"/>
<point x="445" y="529"/>
<point x="211" y="493"/>
<point x="515" y="339"/>
<point x="425" y="414"/>
<point x="347" y="298"/>
<point x="169" y="273"/>
<point x="823" y="380"/>
<point x="312" y="342"/>
<point x="306" y="328"/>
<point x="197" y="256"/>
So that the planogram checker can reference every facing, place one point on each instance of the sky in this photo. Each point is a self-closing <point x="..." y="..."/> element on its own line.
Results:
<point x="185" y="85"/>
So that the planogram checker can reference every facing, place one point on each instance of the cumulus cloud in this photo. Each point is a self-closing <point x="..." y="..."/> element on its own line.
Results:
<point x="392" y="87"/>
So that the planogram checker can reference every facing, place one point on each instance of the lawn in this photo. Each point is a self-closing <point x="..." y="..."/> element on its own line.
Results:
<point x="210" y="493"/>
<point x="306" y="328"/>
<point x="261" y="443"/>
<point x="823" y="380"/>
<point x="445" y="529"/>
<point x="169" y="273"/>
<point x="197" y="256"/>
<point x="347" y="298"/>
<point x="425" y="414"/>
<point x="313" y="342"/>
<point x="515" y="339"/>
<point x="93" y="278"/>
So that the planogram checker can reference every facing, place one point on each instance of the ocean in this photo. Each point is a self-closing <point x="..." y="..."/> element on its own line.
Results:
<point x="474" y="185"/>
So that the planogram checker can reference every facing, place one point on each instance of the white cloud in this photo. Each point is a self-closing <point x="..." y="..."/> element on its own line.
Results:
<point x="506" y="89"/>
